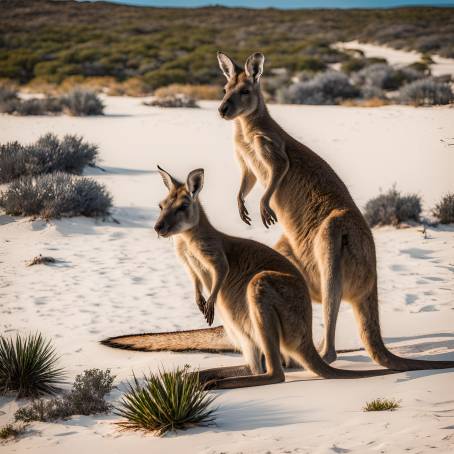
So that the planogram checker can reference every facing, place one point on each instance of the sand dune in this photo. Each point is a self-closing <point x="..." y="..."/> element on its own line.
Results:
<point x="114" y="279"/>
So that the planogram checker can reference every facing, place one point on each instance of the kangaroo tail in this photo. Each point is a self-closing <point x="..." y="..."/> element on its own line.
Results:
<point x="213" y="340"/>
<point x="367" y="315"/>
<point x="311" y="360"/>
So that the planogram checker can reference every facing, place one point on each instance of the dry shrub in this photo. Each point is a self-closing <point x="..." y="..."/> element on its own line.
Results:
<point x="56" y="195"/>
<point x="372" y="102"/>
<point x="444" y="210"/>
<point x="210" y="92"/>
<point x="172" y="101"/>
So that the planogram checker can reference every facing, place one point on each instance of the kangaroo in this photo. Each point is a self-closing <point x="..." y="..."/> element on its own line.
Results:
<point x="261" y="296"/>
<point x="325" y="234"/>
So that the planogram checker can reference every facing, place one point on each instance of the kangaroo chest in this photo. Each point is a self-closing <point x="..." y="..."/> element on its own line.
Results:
<point x="248" y="153"/>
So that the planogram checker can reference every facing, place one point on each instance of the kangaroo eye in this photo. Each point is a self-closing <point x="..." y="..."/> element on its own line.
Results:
<point x="224" y="91"/>
<point x="183" y="207"/>
<point x="244" y="91"/>
<point x="160" y="206"/>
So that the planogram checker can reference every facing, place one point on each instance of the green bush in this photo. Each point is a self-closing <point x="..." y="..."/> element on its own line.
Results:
<point x="167" y="401"/>
<point x="382" y="404"/>
<point x="81" y="102"/>
<point x="28" y="366"/>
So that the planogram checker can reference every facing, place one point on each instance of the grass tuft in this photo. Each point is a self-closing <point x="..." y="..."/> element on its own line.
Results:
<point x="28" y="366"/>
<point x="167" y="401"/>
<point x="382" y="404"/>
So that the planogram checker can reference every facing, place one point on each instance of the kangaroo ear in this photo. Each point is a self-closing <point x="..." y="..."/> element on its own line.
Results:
<point x="254" y="66"/>
<point x="194" y="183"/>
<point x="168" y="179"/>
<point x="227" y="65"/>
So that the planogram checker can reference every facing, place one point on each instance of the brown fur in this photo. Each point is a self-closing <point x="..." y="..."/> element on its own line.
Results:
<point x="326" y="236"/>
<point x="261" y="297"/>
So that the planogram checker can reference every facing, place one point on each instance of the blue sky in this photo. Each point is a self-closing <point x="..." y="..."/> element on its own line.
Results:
<point x="286" y="4"/>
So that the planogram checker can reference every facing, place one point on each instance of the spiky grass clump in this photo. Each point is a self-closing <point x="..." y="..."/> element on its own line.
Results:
<point x="382" y="404"/>
<point x="167" y="401"/>
<point x="28" y="366"/>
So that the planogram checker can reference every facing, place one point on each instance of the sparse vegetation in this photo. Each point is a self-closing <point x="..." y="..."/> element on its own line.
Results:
<point x="28" y="366"/>
<point x="166" y="401"/>
<point x="392" y="208"/>
<point x="11" y="431"/>
<point x="49" y="154"/>
<point x="426" y="92"/>
<point x="444" y="210"/>
<point x="87" y="397"/>
<point x="178" y="100"/>
<point x="382" y="404"/>
<point x="156" y="47"/>
<point x="56" y="195"/>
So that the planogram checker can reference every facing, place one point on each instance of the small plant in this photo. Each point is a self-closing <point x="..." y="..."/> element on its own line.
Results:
<point x="426" y="92"/>
<point x="85" y="398"/>
<point x="11" y="431"/>
<point x="28" y="366"/>
<point x="167" y="401"/>
<point x="56" y="195"/>
<point x="41" y="260"/>
<point x="48" y="154"/>
<point x="382" y="404"/>
<point x="392" y="208"/>
<point x="444" y="210"/>
<point x="81" y="102"/>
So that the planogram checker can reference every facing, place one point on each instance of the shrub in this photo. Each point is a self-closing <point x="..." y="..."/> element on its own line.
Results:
<point x="444" y="210"/>
<point x="87" y="397"/>
<point x="82" y="102"/>
<point x="212" y="92"/>
<point x="173" y="101"/>
<point x="379" y="75"/>
<point x="28" y="366"/>
<point x="392" y="208"/>
<point x="167" y="401"/>
<point x="56" y="195"/>
<point x="47" y="155"/>
<point x="426" y="92"/>
<point x="326" y="88"/>
<point x="381" y="404"/>
<point x="11" y="431"/>
<point x="8" y="97"/>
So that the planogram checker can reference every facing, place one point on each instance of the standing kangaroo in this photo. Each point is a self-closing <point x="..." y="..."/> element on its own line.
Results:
<point x="261" y="296"/>
<point x="326" y="236"/>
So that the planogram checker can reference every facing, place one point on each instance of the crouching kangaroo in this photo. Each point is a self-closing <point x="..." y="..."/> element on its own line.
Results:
<point x="261" y="297"/>
<point x="326" y="236"/>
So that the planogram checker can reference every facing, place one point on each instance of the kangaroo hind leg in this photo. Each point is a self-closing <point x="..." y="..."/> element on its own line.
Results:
<point x="266" y="332"/>
<point x="328" y="252"/>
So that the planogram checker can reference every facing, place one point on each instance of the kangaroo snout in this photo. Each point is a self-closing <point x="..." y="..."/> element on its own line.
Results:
<point x="223" y="109"/>
<point x="161" y="228"/>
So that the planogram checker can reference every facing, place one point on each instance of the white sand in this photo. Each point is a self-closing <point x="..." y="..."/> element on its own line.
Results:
<point x="117" y="279"/>
<point x="399" y="57"/>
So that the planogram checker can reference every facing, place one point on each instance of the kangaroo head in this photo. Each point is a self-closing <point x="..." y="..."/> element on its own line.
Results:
<point x="180" y="210"/>
<point x="242" y="90"/>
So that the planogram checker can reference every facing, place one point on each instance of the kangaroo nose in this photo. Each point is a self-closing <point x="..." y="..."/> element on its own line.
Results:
<point x="223" y="108"/>
<point x="159" y="227"/>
